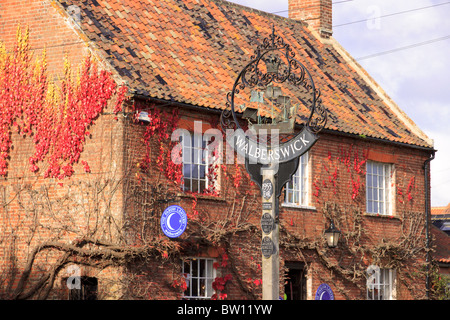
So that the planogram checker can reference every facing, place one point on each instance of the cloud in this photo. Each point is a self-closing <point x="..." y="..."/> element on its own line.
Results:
<point x="417" y="78"/>
<point x="440" y="169"/>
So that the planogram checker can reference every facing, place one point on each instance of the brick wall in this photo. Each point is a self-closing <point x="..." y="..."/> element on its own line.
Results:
<point x="302" y="228"/>
<point x="40" y="210"/>
<point x="49" y="28"/>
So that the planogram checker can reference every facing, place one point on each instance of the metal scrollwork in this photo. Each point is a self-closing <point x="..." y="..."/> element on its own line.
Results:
<point x="318" y="118"/>
<point x="274" y="63"/>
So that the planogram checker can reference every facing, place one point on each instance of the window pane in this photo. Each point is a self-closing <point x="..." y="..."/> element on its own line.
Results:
<point x="195" y="163"/>
<point x="187" y="275"/>
<point x="202" y="185"/>
<point x="202" y="287"/>
<point x="195" y="271"/>
<point x="195" y="186"/>
<point x="209" y="288"/>
<point x="381" y="287"/>
<point x="377" y="187"/>
<point x="202" y="267"/>
<point x="202" y="171"/>
<point x="194" y="289"/>
<point x="369" y="206"/>
<point x="187" y="184"/>
<point x="296" y="190"/>
<point x="194" y="173"/>
<point x="200" y="275"/>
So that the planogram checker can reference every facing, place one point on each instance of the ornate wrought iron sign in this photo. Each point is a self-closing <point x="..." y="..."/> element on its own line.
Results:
<point x="257" y="152"/>
<point x="271" y="147"/>
<point x="277" y="107"/>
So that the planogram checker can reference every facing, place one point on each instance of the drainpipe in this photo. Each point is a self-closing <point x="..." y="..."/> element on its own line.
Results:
<point x="426" y="167"/>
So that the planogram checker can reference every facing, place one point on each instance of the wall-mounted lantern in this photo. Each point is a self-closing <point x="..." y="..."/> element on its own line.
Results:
<point x="332" y="235"/>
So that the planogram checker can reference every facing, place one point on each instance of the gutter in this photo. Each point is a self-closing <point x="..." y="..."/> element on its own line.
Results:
<point x="380" y="140"/>
<point x="298" y="126"/>
<point x="175" y="103"/>
<point x="426" y="167"/>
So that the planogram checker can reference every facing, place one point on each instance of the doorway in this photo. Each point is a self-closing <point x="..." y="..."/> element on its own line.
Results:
<point x="295" y="286"/>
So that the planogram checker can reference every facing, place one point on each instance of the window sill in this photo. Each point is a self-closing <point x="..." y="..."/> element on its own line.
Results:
<point x="201" y="196"/>
<point x="379" y="215"/>
<point x="296" y="206"/>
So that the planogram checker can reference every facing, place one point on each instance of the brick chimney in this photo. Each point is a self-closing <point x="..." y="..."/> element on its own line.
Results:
<point x="317" y="13"/>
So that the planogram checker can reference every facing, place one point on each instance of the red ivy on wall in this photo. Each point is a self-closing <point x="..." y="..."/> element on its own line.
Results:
<point x="219" y="282"/>
<point x="56" y="116"/>
<point x="159" y="129"/>
<point x="347" y="160"/>
<point x="408" y="193"/>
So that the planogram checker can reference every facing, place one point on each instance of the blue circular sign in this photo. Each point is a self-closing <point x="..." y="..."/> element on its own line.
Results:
<point x="324" y="292"/>
<point x="173" y="221"/>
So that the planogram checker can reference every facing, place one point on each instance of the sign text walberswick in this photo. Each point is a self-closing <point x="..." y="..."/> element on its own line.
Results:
<point x="274" y="153"/>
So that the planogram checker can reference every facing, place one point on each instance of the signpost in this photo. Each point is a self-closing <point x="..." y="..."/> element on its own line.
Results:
<point x="271" y="167"/>
<point x="269" y="243"/>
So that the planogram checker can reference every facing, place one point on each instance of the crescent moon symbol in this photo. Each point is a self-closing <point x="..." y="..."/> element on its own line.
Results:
<point x="168" y="221"/>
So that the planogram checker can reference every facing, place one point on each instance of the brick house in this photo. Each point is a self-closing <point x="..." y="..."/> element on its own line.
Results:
<point x="440" y="217"/>
<point x="96" y="233"/>
<point x="440" y="232"/>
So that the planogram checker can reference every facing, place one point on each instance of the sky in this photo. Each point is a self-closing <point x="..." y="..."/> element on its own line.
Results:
<point x="405" y="46"/>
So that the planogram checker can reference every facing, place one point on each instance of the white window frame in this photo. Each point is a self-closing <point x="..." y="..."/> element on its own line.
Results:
<point x="297" y="191"/>
<point x="196" y="158"/>
<point x="382" y="285"/>
<point x="199" y="274"/>
<point x="378" y="188"/>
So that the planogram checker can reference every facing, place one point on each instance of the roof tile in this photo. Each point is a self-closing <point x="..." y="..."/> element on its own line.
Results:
<point x="192" y="50"/>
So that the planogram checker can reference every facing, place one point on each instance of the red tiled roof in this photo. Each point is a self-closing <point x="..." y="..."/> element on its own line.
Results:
<point x="191" y="51"/>
<point x="442" y="243"/>
<point x="440" y="210"/>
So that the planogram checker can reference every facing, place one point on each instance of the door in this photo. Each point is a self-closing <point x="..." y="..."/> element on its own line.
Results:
<point x="295" y="285"/>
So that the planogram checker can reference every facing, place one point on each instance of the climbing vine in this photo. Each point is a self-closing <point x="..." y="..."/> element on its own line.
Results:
<point x="343" y="174"/>
<point x="159" y="129"/>
<point x="56" y="115"/>
<point x="331" y="175"/>
<point x="220" y="282"/>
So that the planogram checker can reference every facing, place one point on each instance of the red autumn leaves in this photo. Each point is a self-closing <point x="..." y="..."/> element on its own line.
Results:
<point x="56" y="116"/>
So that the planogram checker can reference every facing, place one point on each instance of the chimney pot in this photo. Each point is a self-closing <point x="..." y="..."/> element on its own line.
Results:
<point x="317" y="13"/>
